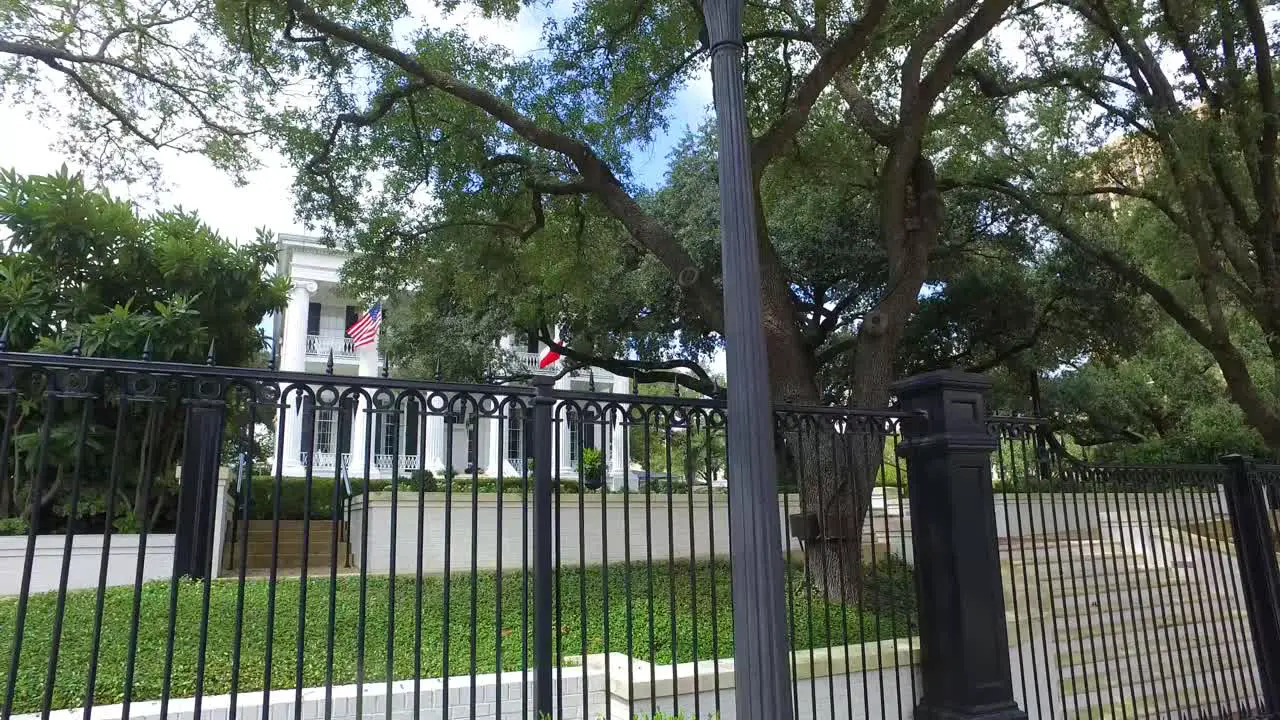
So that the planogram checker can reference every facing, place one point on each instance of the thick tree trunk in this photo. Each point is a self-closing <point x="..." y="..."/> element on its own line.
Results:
<point x="836" y="464"/>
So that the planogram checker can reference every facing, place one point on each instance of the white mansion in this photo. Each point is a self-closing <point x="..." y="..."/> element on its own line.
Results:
<point x="314" y="325"/>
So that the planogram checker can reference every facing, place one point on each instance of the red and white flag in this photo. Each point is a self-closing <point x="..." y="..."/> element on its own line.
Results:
<point x="548" y="357"/>
<point x="364" y="331"/>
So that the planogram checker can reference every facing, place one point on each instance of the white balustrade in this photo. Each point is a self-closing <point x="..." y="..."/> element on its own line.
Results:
<point x="529" y="361"/>
<point x="324" y="461"/>
<point x="320" y="346"/>
<point x="408" y="463"/>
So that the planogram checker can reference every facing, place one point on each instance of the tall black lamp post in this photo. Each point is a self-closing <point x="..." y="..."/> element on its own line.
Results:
<point x="760" y="643"/>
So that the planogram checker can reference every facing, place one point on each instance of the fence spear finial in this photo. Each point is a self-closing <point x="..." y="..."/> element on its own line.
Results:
<point x="328" y="364"/>
<point x="77" y="345"/>
<point x="4" y="338"/>
<point x="147" y="349"/>
<point x="210" y="358"/>
<point x="386" y="365"/>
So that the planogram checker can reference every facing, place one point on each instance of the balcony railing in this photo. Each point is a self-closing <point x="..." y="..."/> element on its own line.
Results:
<point x="324" y="461"/>
<point x="320" y="346"/>
<point x="408" y="463"/>
<point x="384" y="462"/>
<point x="529" y="361"/>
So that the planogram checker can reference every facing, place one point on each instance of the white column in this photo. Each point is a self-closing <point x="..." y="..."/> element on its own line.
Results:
<point x="619" y="466"/>
<point x="293" y="358"/>
<point x="493" y="458"/>
<point x="435" y="444"/>
<point x="364" y="432"/>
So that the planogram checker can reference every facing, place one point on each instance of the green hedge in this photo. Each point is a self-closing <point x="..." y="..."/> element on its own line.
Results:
<point x="293" y="493"/>
<point x="677" y="608"/>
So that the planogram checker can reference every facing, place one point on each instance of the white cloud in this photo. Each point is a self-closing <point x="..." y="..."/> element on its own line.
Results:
<point x="193" y="183"/>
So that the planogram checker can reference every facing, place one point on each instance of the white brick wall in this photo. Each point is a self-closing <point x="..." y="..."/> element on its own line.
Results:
<point x="86" y="561"/>
<point x="602" y="522"/>
<point x="493" y="701"/>
<point x="881" y="675"/>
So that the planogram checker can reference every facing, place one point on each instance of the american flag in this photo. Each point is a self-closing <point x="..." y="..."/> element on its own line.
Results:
<point x="364" y="331"/>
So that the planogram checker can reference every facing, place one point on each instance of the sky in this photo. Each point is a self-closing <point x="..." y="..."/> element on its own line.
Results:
<point x="29" y="145"/>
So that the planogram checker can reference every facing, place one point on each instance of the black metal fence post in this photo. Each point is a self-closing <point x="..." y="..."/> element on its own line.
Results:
<point x="1256" y="555"/>
<point x="543" y="632"/>
<point x="198" y="491"/>
<point x="964" y="639"/>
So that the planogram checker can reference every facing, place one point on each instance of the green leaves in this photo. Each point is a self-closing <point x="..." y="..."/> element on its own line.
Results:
<point x="85" y="270"/>
<point x="364" y="616"/>
<point x="83" y="266"/>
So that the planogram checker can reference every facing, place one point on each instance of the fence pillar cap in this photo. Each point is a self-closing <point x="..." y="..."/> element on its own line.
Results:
<point x="542" y="386"/>
<point x="954" y="408"/>
<point x="1235" y="459"/>
<point x="941" y="380"/>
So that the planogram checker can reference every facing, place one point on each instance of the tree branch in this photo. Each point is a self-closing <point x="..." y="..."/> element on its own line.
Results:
<point x="661" y="371"/>
<point x="1155" y="200"/>
<point x="1026" y="343"/>
<point x="781" y="34"/>
<point x="986" y="17"/>
<point x="834" y="59"/>
<point x="382" y="104"/>
<point x="927" y="40"/>
<point x="862" y="112"/>
<point x="1267" y="137"/>
<point x="104" y="103"/>
<point x="835" y="349"/>
<point x="141" y="28"/>
<point x="52" y="56"/>
<point x="1122" y="267"/>
<point x="595" y="172"/>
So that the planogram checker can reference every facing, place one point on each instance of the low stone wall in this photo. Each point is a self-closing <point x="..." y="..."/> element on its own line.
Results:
<point x="85" y="561"/>
<point x="881" y="676"/>
<point x="86" y="555"/>
<point x="1086" y="513"/>
<point x="590" y="529"/>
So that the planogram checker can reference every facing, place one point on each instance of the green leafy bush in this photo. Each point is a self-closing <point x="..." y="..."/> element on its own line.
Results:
<point x="592" y="466"/>
<point x="13" y="526"/>
<point x="293" y="495"/>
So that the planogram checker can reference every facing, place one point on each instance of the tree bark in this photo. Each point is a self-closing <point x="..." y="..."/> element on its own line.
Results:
<point x="837" y="460"/>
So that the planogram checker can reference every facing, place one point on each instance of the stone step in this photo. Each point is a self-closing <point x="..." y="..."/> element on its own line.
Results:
<point x="1204" y="695"/>
<point x="1141" y="640"/>
<point x="1138" y="582"/>
<point x="1084" y="599"/>
<point x="1102" y="621"/>
<point x="1170" y="663"/>
<point x="257" y="553"/>
<point x="291" y="543"/>
<point x="1068" y="558"/>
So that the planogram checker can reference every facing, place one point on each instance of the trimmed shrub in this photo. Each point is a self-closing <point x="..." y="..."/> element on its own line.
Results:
<point x="293" y="496"/>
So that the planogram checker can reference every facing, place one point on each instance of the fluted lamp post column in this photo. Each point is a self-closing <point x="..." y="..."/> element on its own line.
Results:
<point x="762" y="682"/>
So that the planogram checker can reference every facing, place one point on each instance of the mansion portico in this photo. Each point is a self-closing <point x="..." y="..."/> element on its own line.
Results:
<point x="313" y="327"/>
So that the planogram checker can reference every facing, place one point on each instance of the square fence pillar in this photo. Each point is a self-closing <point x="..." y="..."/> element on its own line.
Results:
<point x="1259" y="575"/>
<point x="964" y="639"/>
<point x="198" y="490"/>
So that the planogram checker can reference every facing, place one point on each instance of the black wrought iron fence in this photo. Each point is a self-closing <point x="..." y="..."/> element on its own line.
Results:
<point x="204" y="541"/>
<point x="1123" y="584"/>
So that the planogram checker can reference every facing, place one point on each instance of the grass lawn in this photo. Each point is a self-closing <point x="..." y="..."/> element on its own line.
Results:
<point x="887" y="610"/>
